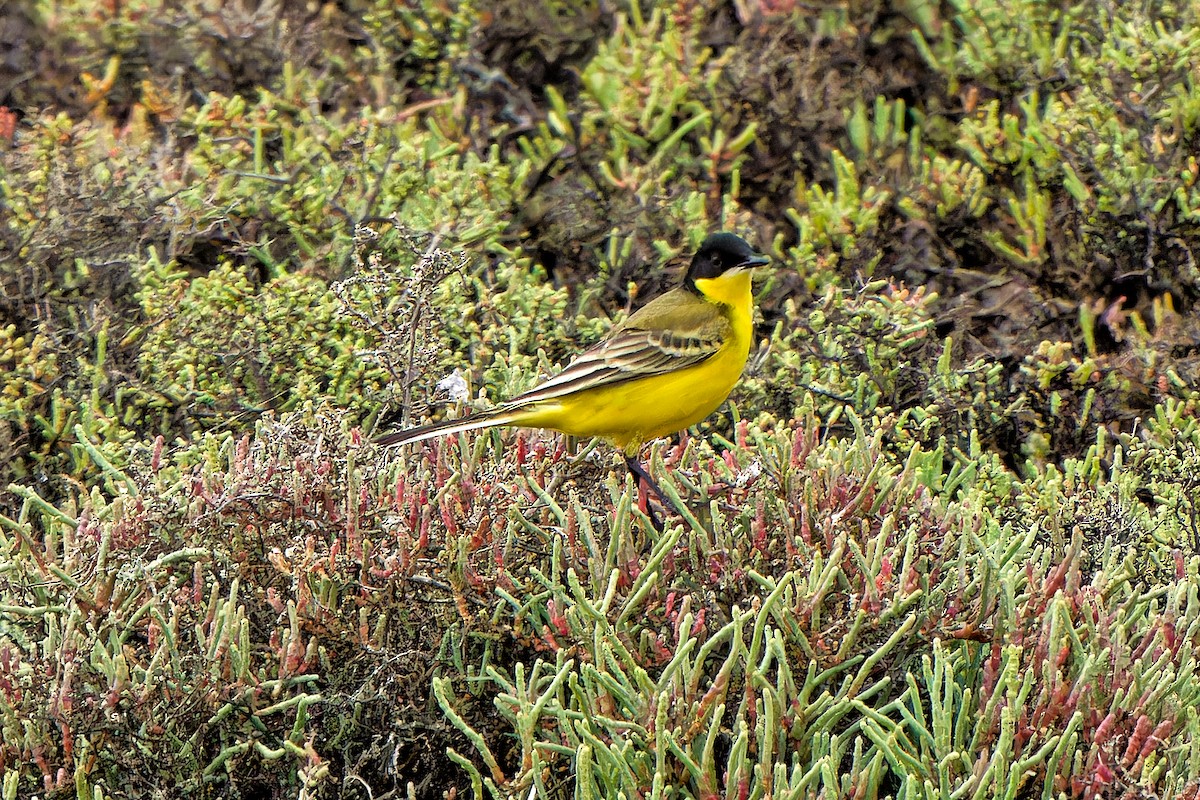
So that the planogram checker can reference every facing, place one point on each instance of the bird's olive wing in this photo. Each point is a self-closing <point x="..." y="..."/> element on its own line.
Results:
<point x="629" y="354"/>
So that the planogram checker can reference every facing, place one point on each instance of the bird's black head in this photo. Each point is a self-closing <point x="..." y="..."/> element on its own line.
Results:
<point x="720" y="253"/>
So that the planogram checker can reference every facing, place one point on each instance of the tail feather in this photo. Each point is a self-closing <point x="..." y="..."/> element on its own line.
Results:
<point x="488" y="419"/>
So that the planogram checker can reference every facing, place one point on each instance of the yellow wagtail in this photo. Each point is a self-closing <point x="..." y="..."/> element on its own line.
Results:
<point x="668" y="366"/>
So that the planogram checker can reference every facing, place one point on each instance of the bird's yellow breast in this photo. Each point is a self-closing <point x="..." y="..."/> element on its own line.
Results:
<point x="635" y="411"/>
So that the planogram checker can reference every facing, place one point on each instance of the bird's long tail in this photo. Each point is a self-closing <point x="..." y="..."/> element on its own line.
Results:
<point x="488" y="419"/>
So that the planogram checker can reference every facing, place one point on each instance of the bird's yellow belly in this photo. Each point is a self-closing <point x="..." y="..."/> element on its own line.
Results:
<point x="636" y="411"/>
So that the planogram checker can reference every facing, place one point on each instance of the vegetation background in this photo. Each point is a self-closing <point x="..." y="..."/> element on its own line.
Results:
<point x="941" y="542"/>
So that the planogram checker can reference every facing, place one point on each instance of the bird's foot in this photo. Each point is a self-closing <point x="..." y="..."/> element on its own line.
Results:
<point x="642" y="476"/>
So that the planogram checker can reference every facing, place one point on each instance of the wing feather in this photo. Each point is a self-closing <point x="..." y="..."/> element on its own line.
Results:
<point x="680" y="340"/>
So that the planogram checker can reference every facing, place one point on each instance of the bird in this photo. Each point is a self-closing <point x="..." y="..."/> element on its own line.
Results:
<point x="667" y="367"/>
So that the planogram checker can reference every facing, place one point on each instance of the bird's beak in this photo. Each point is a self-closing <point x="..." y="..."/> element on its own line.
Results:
<point x="755" y="261"/>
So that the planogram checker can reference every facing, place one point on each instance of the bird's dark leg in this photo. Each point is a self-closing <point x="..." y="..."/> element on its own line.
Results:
<point x="640" y="474"/>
